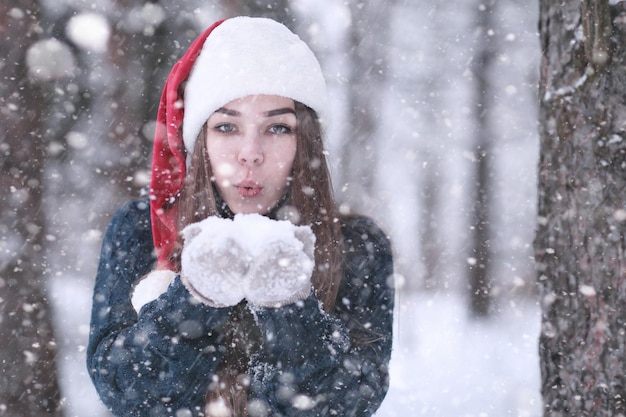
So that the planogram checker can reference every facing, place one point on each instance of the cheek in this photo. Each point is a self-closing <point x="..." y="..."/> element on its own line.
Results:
<point x="223" y="173"/>
<point x="221" y="161"/>
<point x="288" y="157"/>
<point x="222" y="168"/>
<point x="285" y="164"/>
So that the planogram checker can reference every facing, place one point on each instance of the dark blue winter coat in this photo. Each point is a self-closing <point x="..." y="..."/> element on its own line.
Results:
<point x="160" y="362"/>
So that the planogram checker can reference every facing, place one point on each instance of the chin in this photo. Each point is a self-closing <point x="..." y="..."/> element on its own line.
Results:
<point x="249" y="209"/>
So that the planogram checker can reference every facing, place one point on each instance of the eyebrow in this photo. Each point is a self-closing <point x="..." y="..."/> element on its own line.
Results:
<point x="271" y="113"/>
<point x="228" y="112"/>
<point x="278" y="112"/>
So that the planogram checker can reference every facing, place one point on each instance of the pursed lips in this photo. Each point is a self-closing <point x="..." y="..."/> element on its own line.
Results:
<point x="248" y="188"/>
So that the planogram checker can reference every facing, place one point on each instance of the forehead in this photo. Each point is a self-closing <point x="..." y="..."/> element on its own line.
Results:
<point x="260" y="103"/>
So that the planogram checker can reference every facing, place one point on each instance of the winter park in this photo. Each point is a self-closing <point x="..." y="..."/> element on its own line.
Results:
<point x="483" y="140"/>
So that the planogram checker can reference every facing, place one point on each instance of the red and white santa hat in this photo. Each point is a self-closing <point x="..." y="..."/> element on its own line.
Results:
<point x="233" y="58"/>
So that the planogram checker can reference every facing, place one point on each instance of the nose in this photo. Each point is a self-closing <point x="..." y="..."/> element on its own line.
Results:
<point x="251" y="152"/>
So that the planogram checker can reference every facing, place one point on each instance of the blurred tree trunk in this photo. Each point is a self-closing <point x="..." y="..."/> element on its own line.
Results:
<point x="28" y="376"/>
<point x="369" y="37"/>
<point x="140" y="54"/>
<point x="114" y="114"/>
<point x="480" y="234"/>
<point x="428" y="227"/>
<point x="580" y="245"/>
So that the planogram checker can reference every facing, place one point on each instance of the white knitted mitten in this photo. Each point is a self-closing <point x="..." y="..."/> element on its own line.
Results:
<point x="281" y="272"/>
<point x="213" y="267"/>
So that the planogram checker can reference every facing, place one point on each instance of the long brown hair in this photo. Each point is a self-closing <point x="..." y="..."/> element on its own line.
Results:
<point x="308" y="201"/>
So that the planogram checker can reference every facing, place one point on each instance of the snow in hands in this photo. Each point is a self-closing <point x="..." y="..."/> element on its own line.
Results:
<point x="267" y="262"/>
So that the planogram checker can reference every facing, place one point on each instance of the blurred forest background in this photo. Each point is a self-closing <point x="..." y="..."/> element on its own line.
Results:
<point x="434" y="134"/>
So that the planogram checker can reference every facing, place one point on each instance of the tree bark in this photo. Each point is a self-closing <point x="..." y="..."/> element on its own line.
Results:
<point x="580" y="245"/>
<point x="28" y="376"/>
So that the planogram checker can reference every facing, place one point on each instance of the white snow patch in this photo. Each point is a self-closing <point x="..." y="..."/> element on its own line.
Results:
<point x="445" y="364"/>
<point x="89" y="31"/>
<point x="50" y="59"/>
<point x="252" y="231"/>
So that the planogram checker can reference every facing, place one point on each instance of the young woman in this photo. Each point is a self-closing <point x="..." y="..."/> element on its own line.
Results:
<point x="183" y="327"/>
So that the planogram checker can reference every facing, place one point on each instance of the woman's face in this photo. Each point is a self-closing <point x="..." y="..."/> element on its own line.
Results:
<point x="251" y="144"/>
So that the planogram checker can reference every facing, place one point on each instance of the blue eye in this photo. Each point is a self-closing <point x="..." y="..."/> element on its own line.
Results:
<point x="225" y="128"/>
<point x="280" y="129"/>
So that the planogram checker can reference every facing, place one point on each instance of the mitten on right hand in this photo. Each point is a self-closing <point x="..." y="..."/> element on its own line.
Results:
<point x="213" y="266"/>
<point x="281" y="274"/>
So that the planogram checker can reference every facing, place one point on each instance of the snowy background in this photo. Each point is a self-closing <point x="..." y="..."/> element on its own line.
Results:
<point x="445" y="363"/>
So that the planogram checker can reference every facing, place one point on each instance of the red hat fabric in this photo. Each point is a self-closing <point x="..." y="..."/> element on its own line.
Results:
<point x="168" y="155"/>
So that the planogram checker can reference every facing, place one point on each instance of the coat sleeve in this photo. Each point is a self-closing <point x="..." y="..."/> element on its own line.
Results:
<point x="318" y="364"/>
<point x="157" y="362"/>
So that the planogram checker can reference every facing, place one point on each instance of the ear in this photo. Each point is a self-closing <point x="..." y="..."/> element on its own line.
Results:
<point x="190" y="232"/>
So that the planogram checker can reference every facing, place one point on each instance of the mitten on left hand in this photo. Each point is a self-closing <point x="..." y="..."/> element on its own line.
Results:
<point x="281" y="273"/>
<point x="213" y="264"/>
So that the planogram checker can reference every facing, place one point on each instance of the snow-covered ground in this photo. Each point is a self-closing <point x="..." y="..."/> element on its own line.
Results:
<point x="444" y="364"/>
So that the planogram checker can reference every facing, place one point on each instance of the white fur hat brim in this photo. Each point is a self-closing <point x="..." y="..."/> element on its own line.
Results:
<point x="249" y="56"/>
